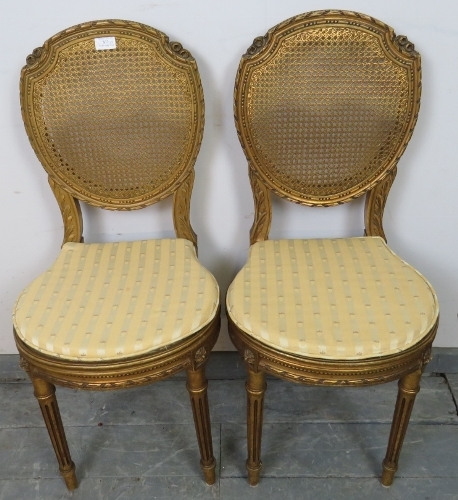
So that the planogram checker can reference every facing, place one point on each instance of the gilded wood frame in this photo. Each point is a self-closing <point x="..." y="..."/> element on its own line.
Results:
<point x="191" y="353"/>
<point x="259" y="358"/>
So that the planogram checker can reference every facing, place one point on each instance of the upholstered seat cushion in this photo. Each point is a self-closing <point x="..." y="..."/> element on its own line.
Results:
<point x="350" y="298"/>
<point x="115" y="300"/>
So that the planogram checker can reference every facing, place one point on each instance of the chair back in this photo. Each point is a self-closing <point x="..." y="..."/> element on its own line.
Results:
<point x="325" y="104"/>
<point x="115" y="114"/>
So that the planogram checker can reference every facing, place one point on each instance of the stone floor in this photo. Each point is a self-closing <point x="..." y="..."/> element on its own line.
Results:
<point x="319" y="443"/>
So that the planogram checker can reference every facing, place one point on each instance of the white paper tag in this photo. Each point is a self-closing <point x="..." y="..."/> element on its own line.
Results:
<point x="105" y="43"/>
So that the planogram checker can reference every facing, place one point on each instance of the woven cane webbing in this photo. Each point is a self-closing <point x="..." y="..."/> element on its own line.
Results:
<point x="118" y="124"/>
<point x="327" y="112"/>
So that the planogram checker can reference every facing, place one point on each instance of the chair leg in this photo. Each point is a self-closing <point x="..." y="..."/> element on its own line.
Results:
<point x="408" y="389"/>
<point x="197" y="387"/>
<point x="255" y="388"/>
<point x="45" y="393"/>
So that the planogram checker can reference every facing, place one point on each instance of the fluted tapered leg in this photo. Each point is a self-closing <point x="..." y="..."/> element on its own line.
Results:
<point x="255" y="388"/>
<point x="197" y="387"/>
<point x="408" y="389"/>
<point x="45" y="393"/>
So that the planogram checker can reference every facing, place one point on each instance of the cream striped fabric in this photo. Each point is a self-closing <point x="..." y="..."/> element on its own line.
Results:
<point x="348" y="298"/>
<point x="115" y="300"/>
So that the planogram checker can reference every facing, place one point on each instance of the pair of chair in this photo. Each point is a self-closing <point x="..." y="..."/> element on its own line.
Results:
<point x="325" y="104"/>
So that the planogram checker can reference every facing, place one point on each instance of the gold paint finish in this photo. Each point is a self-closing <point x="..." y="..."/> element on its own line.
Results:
<point x="375" y="205"/>
<point x="197" y="388"/>
<point x="119" y="129"/>
<point x="181" y="208"/>
<point x="71" y="213"/>
<point x="325" y="104"/>
<point x="409" y="386"/>
<point x="255" y="388"/>
<point x="45" y="394"/>
<point x="263" y="209"/>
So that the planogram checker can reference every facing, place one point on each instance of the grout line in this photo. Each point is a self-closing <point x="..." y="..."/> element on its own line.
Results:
<point x="305" y="476"/>
<point x="444" y="376"/>
<point x="220" y="468"/>
<point x="82" y="478"/>
<point x="17" y="381"/>
<point x="220" y="424"/>
<point x="93" y="425"/>
<point x="198" y="476"/>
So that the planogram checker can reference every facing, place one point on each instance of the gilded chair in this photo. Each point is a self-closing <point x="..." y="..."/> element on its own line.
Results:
<point x="325" y="104"/>
<point x="115" y="114"/>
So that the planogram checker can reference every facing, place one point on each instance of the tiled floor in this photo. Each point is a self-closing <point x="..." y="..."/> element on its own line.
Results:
<point x="319" y="443"/>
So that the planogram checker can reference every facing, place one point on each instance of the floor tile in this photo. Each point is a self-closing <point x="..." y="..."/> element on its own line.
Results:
<point x="452" y="380"/>
<point x="158" y="488"/>
<point x="319" y="443"/>
<point x="163" y="402"/>
<point x="339" y="489"/>
<point x="155" y="450"/>
<point x="341" y="450"/>
<point x="436" y="488"/>
<point x="105" y="451"/>
<point x="289" y="402"/>
<point x="305" y="489"/>
<point x="10" y="371"/>
<point x="444" y="360"/>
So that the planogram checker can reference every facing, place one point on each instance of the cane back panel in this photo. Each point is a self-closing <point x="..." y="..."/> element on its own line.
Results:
<point x="325" y="104"/>
<point x="117" y="128"/>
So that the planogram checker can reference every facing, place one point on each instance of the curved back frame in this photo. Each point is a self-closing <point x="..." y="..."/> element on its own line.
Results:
<point x="325" y="104"/>
<point x="115" y="114"/>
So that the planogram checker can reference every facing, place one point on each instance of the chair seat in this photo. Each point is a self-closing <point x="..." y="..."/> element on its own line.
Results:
<point x="349" y="298"/>
<point x="116" y="300"/>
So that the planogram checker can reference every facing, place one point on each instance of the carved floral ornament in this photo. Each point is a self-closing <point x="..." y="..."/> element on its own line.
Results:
<point x="404" y="44"/>
<point x="248" y="356"/>
<point x="427" y="356"/>
<point x="23" y="363"/>
<point x="178" y="49"/>
<point x="34" y="56"/>
<point x="200" y="355"/>
<point x="257" y="45"/>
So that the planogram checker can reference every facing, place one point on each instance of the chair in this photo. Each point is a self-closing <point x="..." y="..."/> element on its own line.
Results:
<point x="325" y="104"/>
<point x="115" y="114"/>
